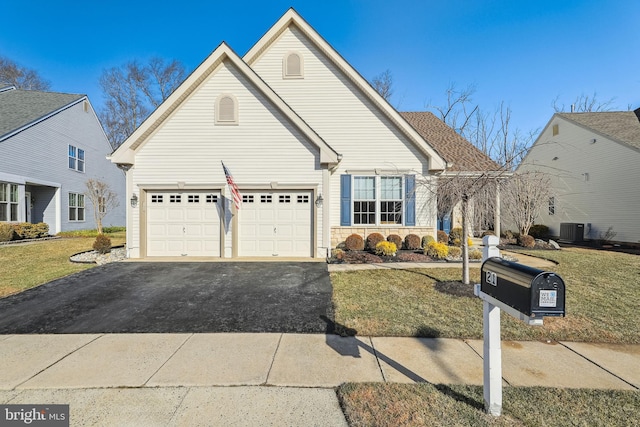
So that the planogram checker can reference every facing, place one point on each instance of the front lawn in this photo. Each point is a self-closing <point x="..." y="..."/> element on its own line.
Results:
<point x="30" y="264"/>
<point x="603" y="294"/>
<point x="388" y="404"/>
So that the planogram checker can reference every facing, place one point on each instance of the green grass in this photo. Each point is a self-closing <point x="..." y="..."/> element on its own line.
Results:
<point x="602" y="300"/>
<point x="30" y="264"/>
<point x="388" y="404"/>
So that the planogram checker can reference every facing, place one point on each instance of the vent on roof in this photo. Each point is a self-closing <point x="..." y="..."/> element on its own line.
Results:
<point x="226" y="109"/>
<point x="292" y="65"/>
<point x="556" y="129"/>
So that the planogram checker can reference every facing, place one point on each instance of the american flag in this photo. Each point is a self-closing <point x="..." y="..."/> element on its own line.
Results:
<point x="237" y="199"/>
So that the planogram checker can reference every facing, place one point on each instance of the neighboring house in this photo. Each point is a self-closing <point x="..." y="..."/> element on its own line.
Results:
<point x="316" y="152"/>
<point x="592" y="160"/>
<point x="50" y="145"/>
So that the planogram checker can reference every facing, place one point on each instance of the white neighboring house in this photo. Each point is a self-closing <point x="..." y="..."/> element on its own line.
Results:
<point x="592" y="159"/>
<point x="316" y="152"/>
<point x="50" y="144"/>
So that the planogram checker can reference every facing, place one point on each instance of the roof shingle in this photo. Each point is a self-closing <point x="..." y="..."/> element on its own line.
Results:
<point x="463" y="155"/>
<point x="19" y="108"/>
<point x="621" y="125"/>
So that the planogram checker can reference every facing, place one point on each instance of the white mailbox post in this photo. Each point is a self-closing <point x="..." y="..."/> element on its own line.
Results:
<point x="526" y="293"/>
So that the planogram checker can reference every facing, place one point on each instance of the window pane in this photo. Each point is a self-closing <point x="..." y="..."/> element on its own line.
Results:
<point x="80" y="214"/>
<point x="72" y="199"/>
<point x="364" y="212"/>
<point x="72" y="163"/>
<point x="81" y="200"/>
<point x="72" y="214"/>
<point x="80" y="166"/>
<point x="364" y="188"/>
<point x="72" y="151"/>
<point x="80" y="154"/>
<point x="391" y="187"/>
<point x="3" y="212"/>
<point x="3" y="192"/>
<point x="14" y="212"/>
<point x="14" y="193"/>
<point x="391" y="212"/>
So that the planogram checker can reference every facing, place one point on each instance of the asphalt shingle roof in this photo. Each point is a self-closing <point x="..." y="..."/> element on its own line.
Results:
<point x="463" y="155"/>
<point x="19" y="108"/>
<point x="621" y="125"/>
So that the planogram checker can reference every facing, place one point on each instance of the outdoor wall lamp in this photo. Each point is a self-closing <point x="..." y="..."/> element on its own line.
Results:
<point x="319" y="201"/>
<point x="134" y="201"/>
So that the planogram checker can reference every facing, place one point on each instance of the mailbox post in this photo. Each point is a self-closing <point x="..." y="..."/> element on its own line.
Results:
<point x="526" y="293"/>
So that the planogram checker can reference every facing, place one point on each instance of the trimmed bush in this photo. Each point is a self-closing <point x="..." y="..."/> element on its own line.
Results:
<point x="437" y="250"/>
<point x="475" y="254"/>
<point x="526" y="241"/>
<point x="488" y="233"/>
<point x="412" y="242"/>
<point x="426" y="240"/>
<point x="397" y="240"/>
<point x="386" y="248"/>
<point x="26" y="230"/>
<point x="373" y="239"/>
<point x="443" y="237"/>
<point x="102" y="244"/>
<point x="338" y="254"/>
<point x="455" y="252"/>
<point x="6" y="232"/>
<point x="508" y="234"/>
<point x="539" y="231"/>
<point x="354" y="242"/>
<point x="455" y="237"/>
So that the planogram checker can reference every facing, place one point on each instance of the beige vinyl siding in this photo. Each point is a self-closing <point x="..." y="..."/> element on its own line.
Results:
<point x="263" y="148"/>
<point x="341" y="114"/>
<point x="610" y="196"/>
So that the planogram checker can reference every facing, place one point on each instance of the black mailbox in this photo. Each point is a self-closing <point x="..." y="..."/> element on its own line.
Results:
<point x="533" y="292"/>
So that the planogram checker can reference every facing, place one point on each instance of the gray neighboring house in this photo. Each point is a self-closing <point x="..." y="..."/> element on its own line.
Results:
<point x="50" y="145"/>
<point x="592" y="160"/>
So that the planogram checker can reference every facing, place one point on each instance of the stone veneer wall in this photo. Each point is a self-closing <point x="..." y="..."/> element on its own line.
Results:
<point x="339" y="234"/>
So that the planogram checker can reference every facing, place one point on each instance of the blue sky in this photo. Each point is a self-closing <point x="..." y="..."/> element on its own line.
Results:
<point x="525" y="53"/>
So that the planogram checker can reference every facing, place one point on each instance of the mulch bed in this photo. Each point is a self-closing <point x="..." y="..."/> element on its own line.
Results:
<point x="363" y="257"/>
<point x="455" y="288"/>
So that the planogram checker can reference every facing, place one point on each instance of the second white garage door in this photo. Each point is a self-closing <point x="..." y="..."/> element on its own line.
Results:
<point x="276" y="223"/>
<point x="183" y="224"/>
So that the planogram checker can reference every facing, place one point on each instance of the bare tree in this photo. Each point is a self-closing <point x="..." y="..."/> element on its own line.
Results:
<point x="383" y="83"/>
<point x="12" y="74"/>
<point x="491" y="132"/>
<point x="102" y="198"/>
<point x="132" y="91"/>
<point x="584" y="104"/>
<point x="524" y="195"/>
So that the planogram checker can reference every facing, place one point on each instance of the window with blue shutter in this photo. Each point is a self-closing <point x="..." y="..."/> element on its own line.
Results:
<point x="345" y="200"/>
<point x="410" y="200"/>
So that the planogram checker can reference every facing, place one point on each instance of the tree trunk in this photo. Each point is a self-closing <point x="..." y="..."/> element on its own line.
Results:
<point x="465" y="239"/>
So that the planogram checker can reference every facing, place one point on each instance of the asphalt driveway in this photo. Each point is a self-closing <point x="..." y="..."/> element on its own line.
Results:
<point x="176" y="297"/>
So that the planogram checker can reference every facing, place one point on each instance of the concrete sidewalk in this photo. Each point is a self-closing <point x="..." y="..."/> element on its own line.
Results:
<point x="264" y="379"/>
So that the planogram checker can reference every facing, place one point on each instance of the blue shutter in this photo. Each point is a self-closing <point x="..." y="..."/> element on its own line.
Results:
<point x="410" y="200"/>
<point x="345" y="200"/>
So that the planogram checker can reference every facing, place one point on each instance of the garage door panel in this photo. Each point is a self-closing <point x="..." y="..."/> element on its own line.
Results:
<point x="183" y="224"/>
<point x="283" y="227"/>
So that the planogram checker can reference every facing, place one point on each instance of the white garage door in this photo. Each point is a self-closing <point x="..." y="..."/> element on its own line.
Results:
<point x="183" y="223"/>
<point x="276" y="223"/>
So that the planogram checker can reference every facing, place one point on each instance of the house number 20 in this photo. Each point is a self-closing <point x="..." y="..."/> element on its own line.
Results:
<point x="491" y="278"/>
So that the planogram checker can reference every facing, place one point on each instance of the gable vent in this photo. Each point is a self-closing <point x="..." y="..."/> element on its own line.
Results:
<point x="293" y="65"/>
<point x="227" y="110"/>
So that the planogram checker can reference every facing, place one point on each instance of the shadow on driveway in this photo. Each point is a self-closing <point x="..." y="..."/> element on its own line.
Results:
<point x="176" y="297"/>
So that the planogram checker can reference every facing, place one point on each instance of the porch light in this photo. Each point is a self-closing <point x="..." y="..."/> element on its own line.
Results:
<point x="134" y="201"/>
<point x="319" y="201"/>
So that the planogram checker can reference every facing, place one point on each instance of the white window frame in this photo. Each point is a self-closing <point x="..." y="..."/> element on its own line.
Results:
<point x="77" y="206"/>
<point x="285" y="66"/>
<point x="222" y="120"/>
<point x="9" y="201"/>
<point x="378" y="201"/>
<point x="76" y="158"/>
